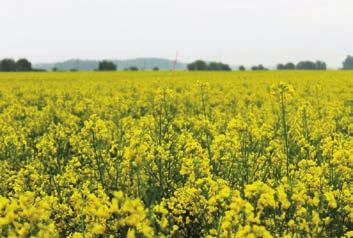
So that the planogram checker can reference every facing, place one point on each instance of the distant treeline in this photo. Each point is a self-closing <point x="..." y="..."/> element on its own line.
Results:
<point x="318" y="65"/>
<point x="24" y="65"/>
<point x="106" y="65"/>
<point x="10" y="65"/>
<point x="200" y="65"/>
<point x="303" y="65"/>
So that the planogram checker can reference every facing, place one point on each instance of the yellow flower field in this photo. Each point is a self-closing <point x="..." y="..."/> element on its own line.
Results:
<point x="176" y="154"/>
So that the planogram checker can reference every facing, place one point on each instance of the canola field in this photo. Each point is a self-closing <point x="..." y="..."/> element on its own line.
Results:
<point x="176" y="154"/>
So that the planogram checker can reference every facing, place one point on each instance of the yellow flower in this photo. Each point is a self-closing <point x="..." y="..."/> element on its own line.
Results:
<point x="331" y="199"/>
<point x="131" y="234"/>
<point x="349" y="234"/>
<point x="98" y="229"/>
<point x="77" y="235"/>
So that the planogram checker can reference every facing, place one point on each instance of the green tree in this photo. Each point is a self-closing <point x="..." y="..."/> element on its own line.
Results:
<point x="23" y="65"/>
<point x="258" y="67"/>
<point x="254" y="68"/>
<point x="309" y="65"/>
<point x="214" y="66"/>
<point x="106" y="65"/>
<point x="348" y="62"/>
<point x="261" y="67"/>
<point x="305" y="65"/>
<point x="133" y="68"/>
<point x="7" y="65"/>
<point x="289" y="66"/>
<point x="198" y="65"/>
<point x="242" y="68"/>
<point x="280" y="67"/>
<point x="320" y="65"/>
<point x="218" y="66"/>
<point x="225" y="67"/>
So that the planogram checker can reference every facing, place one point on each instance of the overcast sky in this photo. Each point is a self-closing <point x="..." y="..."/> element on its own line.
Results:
<point x="234" y="31"/>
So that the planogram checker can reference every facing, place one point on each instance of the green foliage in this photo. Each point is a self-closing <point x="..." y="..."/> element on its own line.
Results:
<point x="106" y="65"/>
<point x="7" y="65"/>
<point x="310" y="65"/>
<point x="348" y="62"/>
<point x="218" y="66"/>
<point x="288" y="66"/>
<point x="200" y="65"/>
<point x="132" y="68"/>
<point x="258" y="67"/>
<point x="242" y="68"/>
<point x="10" y="65"/>
<point x="23" y="65"/>
<point x="280" y="67"/>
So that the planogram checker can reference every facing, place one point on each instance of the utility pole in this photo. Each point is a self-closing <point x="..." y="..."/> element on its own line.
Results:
<point x="175" y="60"/>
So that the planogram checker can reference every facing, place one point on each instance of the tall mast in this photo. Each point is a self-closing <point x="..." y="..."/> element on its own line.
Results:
<point x="175" y="60"/>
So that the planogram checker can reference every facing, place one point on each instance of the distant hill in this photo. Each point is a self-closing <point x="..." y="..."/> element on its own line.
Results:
<point x="141" y="63"/>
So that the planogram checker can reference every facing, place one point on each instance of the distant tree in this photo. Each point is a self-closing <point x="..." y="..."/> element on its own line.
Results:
<point x="7" y="65"/>
<point x="54" y="69"/>
<point x="289" y="66"/>
<point x="23" y="65"/>
<point x="258" y="67"/>
<point x="280" y="67"/>
<point x="254" y="68"/>
<point x="319" y="65"/>
<point x="306" y="65"/>
<point x="261" y="67"/>
<point x="309" y="65"/>
<point x="133" y="68"/>
<point x="218" y="66"/>
<point x="191" y="67"/>
<point x="155" y="69"/>
<point x="242" y="68"/>
<point x="225" y="67"/>
<point x="213" y="66"/>
<point x="106" y="65"/>
<point x="201" y="65"/>
<point x="198" y="65"/>
<point x="39" y="70"/>
<point x="348" y="62"/>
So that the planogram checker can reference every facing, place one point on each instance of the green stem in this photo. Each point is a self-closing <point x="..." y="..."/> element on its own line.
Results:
<point x="285" y="132"/>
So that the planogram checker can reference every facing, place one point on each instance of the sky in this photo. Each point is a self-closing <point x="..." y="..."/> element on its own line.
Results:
<point x="232" y="31"/>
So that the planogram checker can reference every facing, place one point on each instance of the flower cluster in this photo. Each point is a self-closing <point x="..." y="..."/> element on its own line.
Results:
<point x="172" y="154"/>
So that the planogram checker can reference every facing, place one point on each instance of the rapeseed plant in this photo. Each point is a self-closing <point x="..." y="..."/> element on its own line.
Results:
<point x="146" y="154"/>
